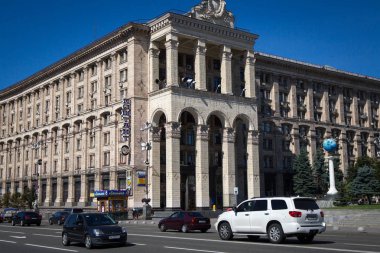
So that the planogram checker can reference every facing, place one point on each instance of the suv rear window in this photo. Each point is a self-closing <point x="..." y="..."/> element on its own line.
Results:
<point x="305" y="204"/>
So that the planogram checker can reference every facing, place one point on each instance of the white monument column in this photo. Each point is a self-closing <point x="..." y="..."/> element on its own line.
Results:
<point x="332" y="190"/>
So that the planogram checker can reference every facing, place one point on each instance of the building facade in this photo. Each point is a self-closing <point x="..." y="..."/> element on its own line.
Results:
<point x="217" y="116"/>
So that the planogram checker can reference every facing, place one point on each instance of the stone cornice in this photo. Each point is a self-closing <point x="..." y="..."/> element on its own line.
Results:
<point x="76" y="58"/>
<point x="201" y="25"/>
<point x="265" y="60"/>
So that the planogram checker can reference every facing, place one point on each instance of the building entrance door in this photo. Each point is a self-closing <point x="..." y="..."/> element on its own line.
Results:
<point x="188" y="192"/>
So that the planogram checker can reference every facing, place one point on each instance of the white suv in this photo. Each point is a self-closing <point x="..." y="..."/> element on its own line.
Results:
<point x="276" y="217"/>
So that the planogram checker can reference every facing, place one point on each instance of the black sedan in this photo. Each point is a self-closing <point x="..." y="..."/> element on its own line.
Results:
<point x="58" y="218"/>
<point x="26" y="218"/>
<point x="92" y="229"/>
<point x="185" y="222"/>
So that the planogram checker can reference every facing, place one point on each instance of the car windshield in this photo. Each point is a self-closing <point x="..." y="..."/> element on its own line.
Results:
<point x="305" y="204"/>
<point x="99" y="220"/>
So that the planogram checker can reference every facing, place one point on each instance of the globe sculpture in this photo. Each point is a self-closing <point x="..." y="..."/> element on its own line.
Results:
<point x="329" y="145"/>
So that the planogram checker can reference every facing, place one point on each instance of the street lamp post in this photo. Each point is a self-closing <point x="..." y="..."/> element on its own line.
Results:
<point x="146" y="146"/>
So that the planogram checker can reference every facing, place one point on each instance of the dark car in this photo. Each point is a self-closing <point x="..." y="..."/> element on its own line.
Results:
<point x="185" y="222"/>
<point x="1" y="218"/>
<point x="26" y="218"/>
<point x="92" y="229"/>
<point x="58" y="218"/>
<point x="73" y="210"/>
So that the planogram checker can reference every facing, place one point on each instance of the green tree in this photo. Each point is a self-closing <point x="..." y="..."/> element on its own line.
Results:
<point x="29" y="196"/>
<point x="365" y="183"/>
<point x="17" y="201"/>
<point x="321" y="177"/>
<point x="303" y="178"/>
<point x="361" y="162"/>
<point x="6" y="199"/>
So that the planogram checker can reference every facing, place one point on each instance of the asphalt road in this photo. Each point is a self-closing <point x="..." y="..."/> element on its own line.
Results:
<point x="147" y="238"/>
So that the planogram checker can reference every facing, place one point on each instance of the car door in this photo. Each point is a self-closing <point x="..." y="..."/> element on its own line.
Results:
<point x="259" y="216"/>
<point x="241" y="219"/>
<point x="69" y="226"/>
<point x="78" y="230"/>
<point x="171" y="221"/>
<point x="17" y="217"/>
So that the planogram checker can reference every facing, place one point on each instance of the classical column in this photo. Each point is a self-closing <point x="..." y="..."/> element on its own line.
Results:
<point x="368" y="112"/>
<point x="249" y="75"/>
<point x="340" y="107"/>
<point x="155" y="168"/>
<point x="309" y="103"/>
<point x="293" y="98"/>
<point x="371" y="144"/>
<point x="200" y="65"/>
<point x="114" y="78"/>
<point x="343" y="153"/>
<point x="229" y="168"/>
<point x="296" y="139"/>
<point x="70" y="196"/>
<point x="154" y="68"/>
<point x="357" y="145"/>
<point x="355" y="112"/>
<point x="275" y="97"/>
<point x="202" y="168"/>
<point x="173" y="173"/>
<point x="313" y="143"/>
<point x="253" y="164"/>
<point x="48" y="191"/>
<point x="171" y="45"/>
<point x="83" y="189"/>
<point x="226" y="71"/>
<point x="325" y="107"/>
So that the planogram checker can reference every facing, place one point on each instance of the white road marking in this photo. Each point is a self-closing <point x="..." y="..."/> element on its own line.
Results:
<point x="46" y="247"/>
<point x="17" y="237"/>
<point x="48" y="235"/>
<point x="138" y="244"/>
<point x="358" y="244"/>
<point x="258" y="243"/>
<point x="7" y="241"/>
<point x="200" y="250"/>
<point x="5" y="231"/>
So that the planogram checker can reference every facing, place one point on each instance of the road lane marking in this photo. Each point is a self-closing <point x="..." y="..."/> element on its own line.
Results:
<point x="17" y="237"/>
<point x="48" y="235"/>
<point x="47" y="247"/>
<point x="5" y="231"/>
<point x="358" y="244"/>
<point x="258" y="243"/>
<point x="7" y="241"/>
<point x="200" y="250"/>
<point x="138" y="244"/>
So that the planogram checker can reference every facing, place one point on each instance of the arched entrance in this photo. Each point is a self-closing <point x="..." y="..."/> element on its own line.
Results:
<point x="215" y="161"/>
<point x="187" y="161"/>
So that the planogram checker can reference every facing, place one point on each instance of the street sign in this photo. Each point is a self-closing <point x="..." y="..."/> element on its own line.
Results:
<point x="236" y="190"/>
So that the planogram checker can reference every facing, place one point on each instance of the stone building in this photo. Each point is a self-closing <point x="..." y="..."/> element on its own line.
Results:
<point x="218" y="116"/>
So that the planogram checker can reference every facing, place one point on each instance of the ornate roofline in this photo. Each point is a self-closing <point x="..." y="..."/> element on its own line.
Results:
<point x="71" y="60"/>
<point x="319" y="68"/>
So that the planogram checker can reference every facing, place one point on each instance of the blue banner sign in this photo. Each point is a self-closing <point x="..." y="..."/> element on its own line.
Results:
<point x="111" y="193"/>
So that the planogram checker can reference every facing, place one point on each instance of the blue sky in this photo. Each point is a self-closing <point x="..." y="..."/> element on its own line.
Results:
<point x="344" y="34"/>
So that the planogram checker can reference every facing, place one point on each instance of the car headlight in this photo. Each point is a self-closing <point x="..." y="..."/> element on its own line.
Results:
<point x="97" y="232"/>
<point x="124" y="229"/>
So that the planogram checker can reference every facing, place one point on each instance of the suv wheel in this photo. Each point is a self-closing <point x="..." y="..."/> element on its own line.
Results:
<point x="275" y="233"/>
<point x="305" y="238"/>
<point x="225" y="232"/>
<point x="184" y="228"/>
<point x="50" y="222"/>
<point x="22" y="223"/>
<point x="88" y="242"/>
<point x="13" y="223"/>
<point x="65" y="240"/>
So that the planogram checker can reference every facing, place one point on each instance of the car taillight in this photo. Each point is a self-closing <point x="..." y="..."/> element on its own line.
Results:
<point x="295" y="214"/>
<point x="322" y="214"/>
<point x="229" y="209"/>
<point x="27" y="217"/>
<point x="193" y="220"/>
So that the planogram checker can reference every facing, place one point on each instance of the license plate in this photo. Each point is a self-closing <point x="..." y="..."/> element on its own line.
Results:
<point x="34" y="218"/>
<point x="202" y="221"/>
<point x="311" y="217"/>
<point x="114" y="237"/>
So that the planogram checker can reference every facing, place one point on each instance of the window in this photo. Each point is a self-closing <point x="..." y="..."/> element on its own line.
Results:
<point x="68" y="97"/>
<point x="107" y="119"/>
<point x="67" y="146"/>
<point x="55" y="166"/>
<point x="260" y="205"/>
<point x="92" y="160"/>
<point x="245" y="207"/>
<point x="107" y="82"/>
<point x="278" y="204"/>
<point x="94" y="86"/>
<point x="123" y="75"/>
<point x="81" y="76"/>
<point x="80" y="108"/>
<point x="94" y="70"/>
<point x="93" y="104"/>
<point x="80" y="92"/>
<point x="106" y="161"/>
<point x="108" y="63"/>
<point x="66" y="164"/>
<point x="107" y="138"/>
<point x="92" y="141"/>
<point x="123" y="56"/>
<point x="79" y="144"/>
<point x="79" y="161"/>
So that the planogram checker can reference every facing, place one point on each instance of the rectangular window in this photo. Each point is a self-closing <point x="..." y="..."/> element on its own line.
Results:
<point x="107" y="138"/>
<point x="66" y="164"/>
<point x="80" y="92"/>
<point x="80" y="108"/>
<point x="106" y="161"/>
<point x="123" y="75"/>
<point x="55" y="166"/>
<point x="67" y="146"/>
<point x="107" y="82"/>
<point x="79" y="160"/>
<point x="108" y="64"/>
<point x="81" y="76"/>
<point x="79" y="144"/>
<point x="68" y="98"/>
<point x="92" y="141"/>
<point x="94" y="70"/>
<point x="123" y="56"/>
<point x="92" y="160"/>
<point x="94" y="86"/>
